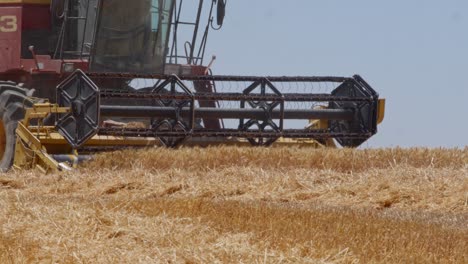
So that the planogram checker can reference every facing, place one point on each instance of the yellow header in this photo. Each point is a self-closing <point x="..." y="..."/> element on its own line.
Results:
<point x="36" y="2"/>
<point x="380" y="111"/>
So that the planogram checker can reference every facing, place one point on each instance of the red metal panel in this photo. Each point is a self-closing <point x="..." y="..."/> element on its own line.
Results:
<point x="48" y="65"/>
<point x="10" y="38"/>
<point x="36" y="17"/>
<point x="45" y="65"/>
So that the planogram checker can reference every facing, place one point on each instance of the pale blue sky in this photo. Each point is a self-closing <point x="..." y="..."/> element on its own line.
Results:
<point x="414" y="53"/>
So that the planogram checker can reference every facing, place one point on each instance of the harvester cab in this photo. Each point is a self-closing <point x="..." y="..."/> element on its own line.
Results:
<point x="84" y="76"/>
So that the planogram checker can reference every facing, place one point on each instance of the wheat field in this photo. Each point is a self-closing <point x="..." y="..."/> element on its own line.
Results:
<point x="242" y="205"/>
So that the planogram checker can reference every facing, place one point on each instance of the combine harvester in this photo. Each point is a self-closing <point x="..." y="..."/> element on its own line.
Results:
<point x="85" y="76"/>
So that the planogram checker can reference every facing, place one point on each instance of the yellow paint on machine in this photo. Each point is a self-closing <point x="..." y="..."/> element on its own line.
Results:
<point x="381" y="111"/>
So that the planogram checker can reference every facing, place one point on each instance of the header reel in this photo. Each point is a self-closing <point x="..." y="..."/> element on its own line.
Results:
<point x="173" y="111"/>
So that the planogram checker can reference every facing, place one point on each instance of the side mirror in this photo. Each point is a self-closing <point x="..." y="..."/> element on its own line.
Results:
<point x="221" y="12"/>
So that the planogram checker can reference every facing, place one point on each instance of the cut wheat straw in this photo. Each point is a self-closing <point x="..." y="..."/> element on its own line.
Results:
<point x="229" y="204"/>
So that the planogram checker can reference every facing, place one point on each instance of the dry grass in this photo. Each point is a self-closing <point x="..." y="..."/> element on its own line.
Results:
<point x="246" y="205"/>
<point x="283" y="158"/>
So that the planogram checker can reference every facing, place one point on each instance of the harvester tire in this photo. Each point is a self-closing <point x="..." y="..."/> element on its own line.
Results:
<point x="13" y="100"/>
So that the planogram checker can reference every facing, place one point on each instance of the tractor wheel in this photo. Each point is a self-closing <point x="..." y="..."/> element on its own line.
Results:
<point x="13" y="100"/>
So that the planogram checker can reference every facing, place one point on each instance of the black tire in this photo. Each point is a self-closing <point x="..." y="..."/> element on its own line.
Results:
<point x="13" y="100"/>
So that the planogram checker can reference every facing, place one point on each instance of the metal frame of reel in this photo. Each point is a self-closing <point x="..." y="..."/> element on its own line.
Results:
<point x="352" y="110"/>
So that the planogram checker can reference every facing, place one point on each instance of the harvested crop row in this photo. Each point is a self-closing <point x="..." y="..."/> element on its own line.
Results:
<point x="343" y="160"/>
<point x="233" y="204"/>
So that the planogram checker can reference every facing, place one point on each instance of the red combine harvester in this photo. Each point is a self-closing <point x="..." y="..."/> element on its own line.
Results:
<point x="82" y="76"/>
